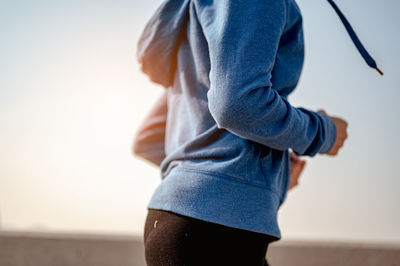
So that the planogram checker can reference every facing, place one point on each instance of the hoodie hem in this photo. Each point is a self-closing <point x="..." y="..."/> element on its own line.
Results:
<point x="219" y="200"/>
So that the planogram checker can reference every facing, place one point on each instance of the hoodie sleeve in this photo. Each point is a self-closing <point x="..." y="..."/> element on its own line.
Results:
<point x="149" y="141"/>
<point x="243" y="39"/>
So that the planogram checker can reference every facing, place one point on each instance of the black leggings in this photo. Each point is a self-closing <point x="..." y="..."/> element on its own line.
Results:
<point x="174" y="240"/>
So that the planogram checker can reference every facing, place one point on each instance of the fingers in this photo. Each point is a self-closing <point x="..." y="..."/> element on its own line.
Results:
<point x="342" y="137"/>
<point x="338" y="145"/>
<point x="341" y="134"/>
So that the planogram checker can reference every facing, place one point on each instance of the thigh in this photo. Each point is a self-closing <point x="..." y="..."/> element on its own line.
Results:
<point x="172" y="239"/>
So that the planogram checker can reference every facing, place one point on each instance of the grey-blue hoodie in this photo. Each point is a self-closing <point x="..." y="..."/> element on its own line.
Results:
<point x="228" y="67"/>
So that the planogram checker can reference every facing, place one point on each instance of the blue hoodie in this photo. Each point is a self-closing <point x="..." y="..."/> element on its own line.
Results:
<point x="228" y="67"/>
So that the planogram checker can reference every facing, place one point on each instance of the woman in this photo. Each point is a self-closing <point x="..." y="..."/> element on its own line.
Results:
<point x="224" y="134"/>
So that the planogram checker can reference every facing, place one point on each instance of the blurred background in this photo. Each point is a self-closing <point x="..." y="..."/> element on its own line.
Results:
<point x="72" y="98"/>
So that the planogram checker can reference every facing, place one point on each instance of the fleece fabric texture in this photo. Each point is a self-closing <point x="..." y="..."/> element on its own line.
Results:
<point x="228" y="67"/>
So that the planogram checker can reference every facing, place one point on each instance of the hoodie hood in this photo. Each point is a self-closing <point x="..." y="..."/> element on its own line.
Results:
<point x="159" y="42"/>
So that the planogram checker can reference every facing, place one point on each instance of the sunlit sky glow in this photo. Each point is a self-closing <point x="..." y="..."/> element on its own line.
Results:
<point x="72" y="96"/>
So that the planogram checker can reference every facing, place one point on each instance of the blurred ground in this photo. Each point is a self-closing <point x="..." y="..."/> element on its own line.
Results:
<point x="61" y="249"/>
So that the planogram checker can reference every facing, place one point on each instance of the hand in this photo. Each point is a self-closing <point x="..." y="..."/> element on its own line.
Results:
<point x="341" y="133"/>
<point x="296" y="167"/>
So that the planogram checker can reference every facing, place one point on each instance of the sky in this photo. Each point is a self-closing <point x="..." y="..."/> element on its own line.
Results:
<point x="72" y="97"/>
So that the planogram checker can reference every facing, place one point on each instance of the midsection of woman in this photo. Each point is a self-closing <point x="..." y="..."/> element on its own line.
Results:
<point x="224" y="124"/>
<point x="229" y="125"/>
<point x="222" y="131"/>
